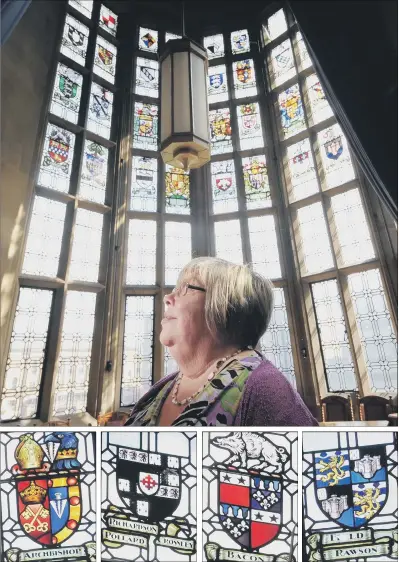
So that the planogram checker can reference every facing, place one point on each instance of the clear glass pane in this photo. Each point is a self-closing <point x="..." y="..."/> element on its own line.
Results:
<point x="147" y="77"/>
<point x="224" y="189"/>
<point x="217" y="84"/>
<point x="276" y="26"/>
<point x="219" y="122"/>
<point x="86" y="248"/>
<point x="100" y="111"/>
<point x="67" y="90"/>
<point x="177" y="190"/>
<point x="275" y="344"/>
<point x="291" y="111"/>
<point x="177" y="249"/>
<point x="108" y="20"/>
<point x="337" y="164"/>
<point x="282" y="63"/>
<point x="74" y="40"/>
<point x="93" y="179"/>
<point x="56" y="165"/>
<point x="304" y="57"/>
<point x="214" y="46"/>
<point x="148" y="40"/>
<point x="73" y="369"/>
<point x="141" y="256"/>
<point x="170" y="36"/>
<point x="24" y="366"/>
<point x="85" y="7"/>
<point x="264" y="249"/>
<point x="338" y="363"/>
<point x="249" y="126"/>
<point x="137" y="349"/>
<point x="300" y="171"/>
<point x="43" y="246"/>
<point x="320" y="109"/>
<point x="145" y="127"/>
<point x="169" y="364"/>
<point x="228" y="241"/>
<point x="256" y="182"/>
<point x="144" y="184"/>
<point x="315" y="244"/>
<point x="352" y="228"/>
<point x="240" y="42"/>
<point x="376" y="330"/>
<point x="244" y="79"/>
<point x="105" y="59"/>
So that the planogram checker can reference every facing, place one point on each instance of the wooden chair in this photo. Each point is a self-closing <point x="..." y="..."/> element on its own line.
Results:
<point x="336" y="407"/>
<point x="374" y="407"/>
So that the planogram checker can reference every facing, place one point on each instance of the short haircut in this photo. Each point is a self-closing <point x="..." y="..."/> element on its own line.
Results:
<point x="238" y="301"/>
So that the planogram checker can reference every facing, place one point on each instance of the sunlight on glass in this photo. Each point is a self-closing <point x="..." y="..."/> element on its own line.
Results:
<point x="264" y="249"/>
<point x="177" y="249"/>
<point x="315" y="244"/>
<point x="141" y="255"/>
<point x="228" y="240"/>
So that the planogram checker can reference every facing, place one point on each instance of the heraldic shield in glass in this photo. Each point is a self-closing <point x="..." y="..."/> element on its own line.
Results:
<point x="250" y="486"/>
<point x="47" y="496"/>
<point x="149" y="483"/>
<point x="350" y="496"/>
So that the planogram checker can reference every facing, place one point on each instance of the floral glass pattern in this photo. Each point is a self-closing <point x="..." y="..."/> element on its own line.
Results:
<point x="147" y="77"/>
<point x="264" y="248"/>
<point x="86" y="247"/>
<point x="217" y="83"/>
<point x="67" y="90"/>
<point x="315" y="244"/>
<point x="148" y="40"/>
<point x="249" y="126"/>
<point x="56" y="165"/>
<point x="300" y="170"/>
<point x="244" y="79"/>
<point x="145" y="127"/>
<point x="256" y="182"/>
<point x="177" y="190"/>
<point x="228" y="242"/>
<point x="224" y="189"/>
<point x="142" y="245"/>
<point x="105" y="59"/>
<point x="178" y="249"/>
<point x="100" y="111"/>
<point x="220" y="127"/>
<point x="93" y="178"/>
<point x="282" y="63"/>
<point x="144" y="184"/>
<point x="214" y="46"/>
<point x="74" y="40"/>
<point x="291" y="111"/>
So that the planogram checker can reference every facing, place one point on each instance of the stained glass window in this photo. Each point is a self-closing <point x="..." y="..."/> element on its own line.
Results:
<point x="170" y="365"/>
<point x="244" y="78"/>
<point x="219" y="122"/>
<point x="171" y="36"/>
<point x="376" y="330"/>
<point x="144" y="184"/>
<point x="43" y="246"/>
<point x="240" y="42"/>
<point x="137" y="349"/>
<point x="282" y="63"/>
<point x="48" y="496"/>
<point x="300" y="171"/>
<point x="149" y="496"/>
<point x="315" y="244"/>
<point x="350" y="496"/>
<point x="147" y="77"/>
<point x="141" y="252"/>
<point x="276" y="26"/>
<point x="24" y="366"/>
<point x="105" y="59"/>
<point x="304" y="58"/>
<point x="256" y="182"/>
<point x="291" y="111"/>
<point x="100" y="111"/>
<point x="67" y="90"/>
<point x="263" y="240"/>
<point x="56" y="165"/>
<point x="228" y="240"/>
<point x="148" y="40"/>
<point x="224" y="189"/>
<point x="319" y="107"/>
<point x="275" y="344"/>
<point x="145" y="133"/>
<point x="337" y="357"/>
<point x="72" y="379"/>
<point x="86" y="248"/>
<point x="177" y="190"/>
<point x="74" y="40"/>
<point x="214" y="46"/>
<point x="250" y="496"/>
<point x="93" y="179"/>
<point x="249" y="126"/>
<point x="217" y="83"/>
<point x="335" y="156"/>
<point x="178" y="250"/>
<point x="85" y="7"/>
<point x="108" y="20"/>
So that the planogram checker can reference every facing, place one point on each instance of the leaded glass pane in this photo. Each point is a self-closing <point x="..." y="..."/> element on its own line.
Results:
<point x="244" y="79"/>
<point x="335" y="156"/>
<point x="256" y="182"/>
<point x="73" y="369"/>
<point x="282" y="63"/>
<point x="240" y="42"/>
<point x="67" y="90"/>
<point x="85" y="7"/>
<point x="249" y="496"/>
<point x="228" y="240"/>
<point x="352" y="229"/>
<point x="108" y="20"/>
<point x="376" y="330"/>
<point x="263" y="240"/>
<point x="171" y="36"/>
<point x="291" y="111"/>
<point x="301" y="175"/>
<point x="86" y="248"/>
<point x="56" y="165"/>
<point x="224" y="189"/>
<point x="148" y="40"/>
<point x="24" y="366"/>
<point x="275" y="344"/>
<point x="178" y="250"/>
<point x="141" y="256"/>
<point x="149" y="496"/>
<point x="43" y="247"/>
<point x="304" y="57"/>
<point x="137" y="349"/>
<point x="217" y="84"/>
<point x="74" y="40"/>
<point x="93" y="179"/>
<point x="214" y="46"/>
<point x="100" y="111"/>
<point x="276" y="26"/>
<point x="105" y="59"/>
<point x="337" y="357"/>
<point x="219" y="122"/>
<point x="144" y="184"/>
<point x="320" y="109"/>
<point x="145" y="128"/>
<point x="315" y="244"/>
<point x="177" y="190"/>
<point x="169" y="365"/>
<point x="147" y="77"/>
<point x="249" y="126"/>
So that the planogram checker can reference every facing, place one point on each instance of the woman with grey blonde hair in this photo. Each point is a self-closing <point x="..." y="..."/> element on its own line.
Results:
<point x="214" y="319"/>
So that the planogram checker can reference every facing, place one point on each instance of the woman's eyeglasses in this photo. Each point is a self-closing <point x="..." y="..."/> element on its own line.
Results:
<point x="182" y="290"/>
